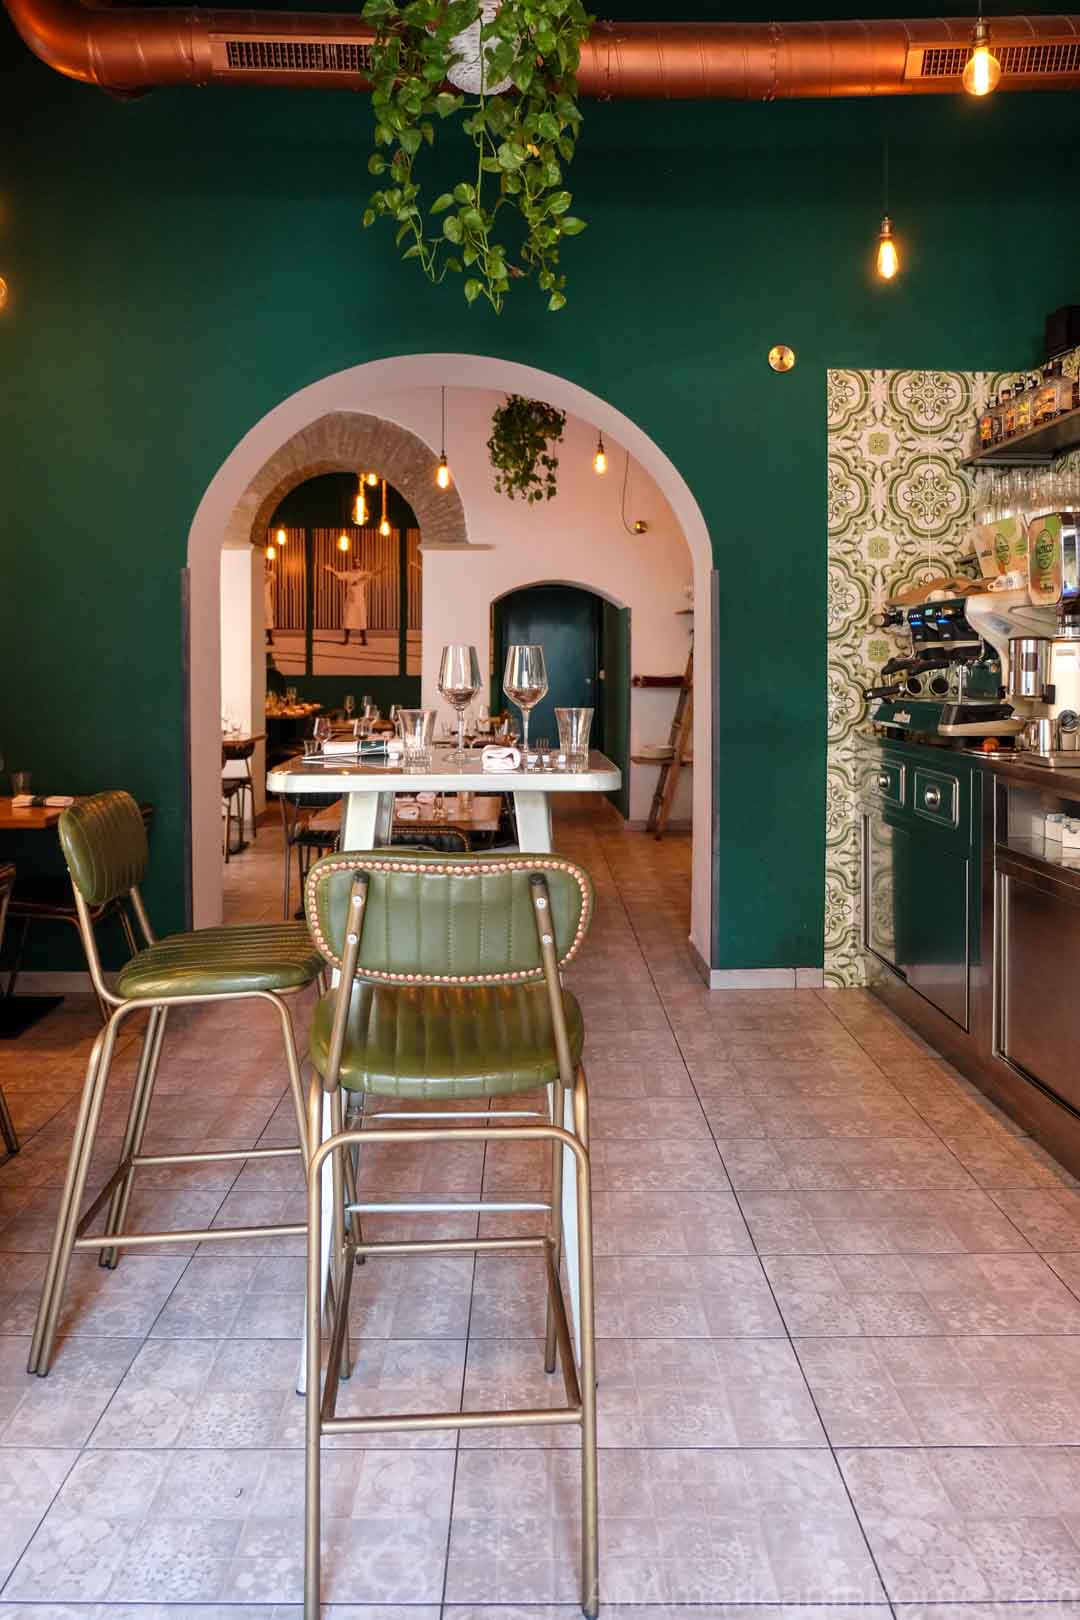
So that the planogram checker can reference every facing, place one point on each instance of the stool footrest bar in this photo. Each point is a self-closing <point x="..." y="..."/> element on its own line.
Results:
<point x="525" y="1417"/>
<point x="446" y="1209"/>
<point x="448" y="1245"/>
<point x="217" y="1157"/>
<point x="134" y="1240"/>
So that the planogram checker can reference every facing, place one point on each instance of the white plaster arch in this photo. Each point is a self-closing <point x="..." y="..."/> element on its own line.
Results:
<point x="406" y="390"/>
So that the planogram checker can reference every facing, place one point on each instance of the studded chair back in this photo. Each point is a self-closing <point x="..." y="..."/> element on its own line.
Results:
<point x="103" y="839"/>
<point x="438" y="919"/>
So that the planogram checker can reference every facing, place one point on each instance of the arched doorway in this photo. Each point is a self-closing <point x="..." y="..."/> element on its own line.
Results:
<point x="404" y="393"/>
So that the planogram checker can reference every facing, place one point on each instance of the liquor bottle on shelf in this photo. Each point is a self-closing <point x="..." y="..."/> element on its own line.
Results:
<point x="1025" y="406"/>
<point x="1009" y="423"/>
<point x="984" y="426"/>
<point x="996" y="426"/>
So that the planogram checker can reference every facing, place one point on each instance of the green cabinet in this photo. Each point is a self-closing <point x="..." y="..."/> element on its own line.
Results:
<point x="920" y="818"/>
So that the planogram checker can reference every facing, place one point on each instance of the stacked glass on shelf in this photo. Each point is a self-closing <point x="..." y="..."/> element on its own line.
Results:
<point x="1029" y="401"/>
<point x="1023" y="517"/>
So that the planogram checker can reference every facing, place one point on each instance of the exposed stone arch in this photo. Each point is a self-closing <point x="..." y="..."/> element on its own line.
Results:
<point x="348" y="441"/>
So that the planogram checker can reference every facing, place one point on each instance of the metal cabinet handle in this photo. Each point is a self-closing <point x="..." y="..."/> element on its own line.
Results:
<point x="932" y="798"/>
<point x="884" y="782"/>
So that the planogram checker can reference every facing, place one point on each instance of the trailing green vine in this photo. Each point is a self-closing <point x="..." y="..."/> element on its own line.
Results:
<point x="521" y="432"/>
<point x="507" y="218"/>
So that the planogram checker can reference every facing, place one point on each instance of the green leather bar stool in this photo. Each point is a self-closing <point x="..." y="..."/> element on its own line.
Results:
<point x="104" y="843"/>
<point x="449" y="988"/>
<point x="7" y="1124"/>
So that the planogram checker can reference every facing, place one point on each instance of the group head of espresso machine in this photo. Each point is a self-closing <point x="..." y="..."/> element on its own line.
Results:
<point x="949" y="684"/>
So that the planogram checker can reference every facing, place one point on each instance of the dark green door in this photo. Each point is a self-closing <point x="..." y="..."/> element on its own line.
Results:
<point x="614" y="704"/>
<point x="565" y="621"/>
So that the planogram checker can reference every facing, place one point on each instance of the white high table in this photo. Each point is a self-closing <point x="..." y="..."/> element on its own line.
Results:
<point x="368" y="790"/>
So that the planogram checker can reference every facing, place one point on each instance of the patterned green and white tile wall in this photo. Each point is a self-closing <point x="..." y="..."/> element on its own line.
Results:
<point x="899" y="507"/>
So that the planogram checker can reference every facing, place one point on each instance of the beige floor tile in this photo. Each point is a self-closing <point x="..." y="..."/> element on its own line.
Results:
<point x="30" y="1478"/>
<point x="970" y="1525"/>
<point x="59" y="1410"/>
<point x="945" y="1391"/>
<point x="678" y="1527"/>
<point x="967" y="1222"/>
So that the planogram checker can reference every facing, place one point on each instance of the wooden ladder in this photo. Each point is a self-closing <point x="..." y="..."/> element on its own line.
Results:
<point x="682" y="727"/>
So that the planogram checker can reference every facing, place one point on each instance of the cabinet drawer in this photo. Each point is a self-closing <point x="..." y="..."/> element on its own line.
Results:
<point x="936" y="797"/>
<point x="886" y="780"/>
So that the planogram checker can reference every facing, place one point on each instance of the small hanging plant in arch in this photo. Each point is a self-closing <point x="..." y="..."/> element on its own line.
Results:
<point x="522" y="433"/>
<point x="512" y="65"/>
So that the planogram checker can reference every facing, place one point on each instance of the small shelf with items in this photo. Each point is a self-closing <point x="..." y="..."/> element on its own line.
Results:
<point x="1034" y="447"/>
<point x="1042" y="826"/>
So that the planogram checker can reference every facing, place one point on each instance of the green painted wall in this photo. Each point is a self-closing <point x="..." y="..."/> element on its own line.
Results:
<point x="182" y="263"/>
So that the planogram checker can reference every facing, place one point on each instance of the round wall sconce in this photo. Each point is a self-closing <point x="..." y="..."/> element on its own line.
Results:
<point x="781" y="358"/>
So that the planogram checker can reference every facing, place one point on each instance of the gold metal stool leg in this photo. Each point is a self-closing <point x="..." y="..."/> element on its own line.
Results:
<point x="340" y="1258"/>
<point x="590" y="1509"/>
<point x="7" y="1125"/>
<point x="142" y="1096"/>
<point x="558" y="1095"/>
<point x="82" y="1147"/>
<point x="313" y="1392"/>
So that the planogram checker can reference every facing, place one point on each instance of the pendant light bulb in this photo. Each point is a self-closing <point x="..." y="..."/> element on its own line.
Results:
<point x="343" y="542"/>
<point x="270" y="552"/>
<point x="372" y="479"/>
<point x="280" y="538"/>
<point x="888" y="260"/>
<point x="442" y="471"/>
<point x="360" y="506"/>
<point x="384" y="526"/>
<point x="982" y="70"/>
<point x="599" y="461"/>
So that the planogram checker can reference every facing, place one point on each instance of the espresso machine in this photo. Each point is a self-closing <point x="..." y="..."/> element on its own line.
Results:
<point x="1038" y="644"/>
<point x="950" y="684"/>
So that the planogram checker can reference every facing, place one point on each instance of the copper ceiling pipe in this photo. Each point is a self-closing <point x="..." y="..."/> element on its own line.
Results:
<point x="128" y="51"/>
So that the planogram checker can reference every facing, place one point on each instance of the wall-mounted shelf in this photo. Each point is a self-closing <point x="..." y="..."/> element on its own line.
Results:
<point x="661" y="681"/>
<point x="1034" y="448"/>
<point x="651" y="759"/>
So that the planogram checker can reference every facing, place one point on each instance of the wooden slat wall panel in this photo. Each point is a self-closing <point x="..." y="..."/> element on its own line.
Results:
<point x="288" y="573"/>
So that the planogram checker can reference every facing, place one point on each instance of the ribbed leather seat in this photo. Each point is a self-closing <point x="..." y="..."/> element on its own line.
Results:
<point x="435" y="1041"/>
<point x="222" y="961"/>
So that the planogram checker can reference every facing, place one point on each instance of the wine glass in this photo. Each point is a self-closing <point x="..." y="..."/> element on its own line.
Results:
<point x="322" y="731"/>
<point x="459" y="682"/>
<point x="525" y="682"/>
<point x="349" y="705"/>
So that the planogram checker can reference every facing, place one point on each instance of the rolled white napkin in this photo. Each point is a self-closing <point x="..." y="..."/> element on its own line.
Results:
<point x="426" y="799"/>
<point x="407" y="812"/>
<point x="54" y="801"/>
<point x="500" y="759"/>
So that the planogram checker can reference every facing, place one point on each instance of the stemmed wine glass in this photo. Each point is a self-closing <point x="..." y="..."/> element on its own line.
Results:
<point x="459" y="682"/>
<point x="349" y="705"/>
<point x="525" y="683"/>
<point x="321" y="731"/>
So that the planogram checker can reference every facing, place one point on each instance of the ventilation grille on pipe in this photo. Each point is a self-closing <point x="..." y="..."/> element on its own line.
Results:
<point x="948" y="61"/>
<point x="296" y="56"/>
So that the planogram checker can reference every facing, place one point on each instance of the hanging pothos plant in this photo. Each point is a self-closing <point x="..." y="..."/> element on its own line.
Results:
<point x="513" y="65"/>
<point x="522" y="431"/>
